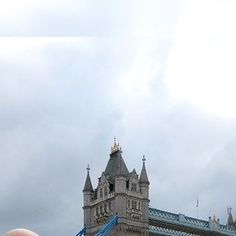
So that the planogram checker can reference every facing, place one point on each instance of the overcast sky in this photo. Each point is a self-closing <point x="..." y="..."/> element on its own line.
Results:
<point x="157" y="74"/>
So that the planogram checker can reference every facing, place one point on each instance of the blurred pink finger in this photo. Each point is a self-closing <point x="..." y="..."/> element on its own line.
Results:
<point x="20" y="232"/>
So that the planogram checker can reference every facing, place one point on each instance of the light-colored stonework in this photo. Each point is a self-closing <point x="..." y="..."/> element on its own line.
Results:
<point x="118" y="192"/>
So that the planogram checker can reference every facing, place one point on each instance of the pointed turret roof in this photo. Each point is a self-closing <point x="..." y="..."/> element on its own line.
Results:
<point x="143" y="175"/>
<point x="116" y="165"/>
<point x="134" y="172"/>
<point x="230" y="217"/>
<point x="88" y="184"/>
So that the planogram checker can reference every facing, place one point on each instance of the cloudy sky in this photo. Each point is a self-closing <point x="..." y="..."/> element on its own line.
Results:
<point x="157" y="74"/>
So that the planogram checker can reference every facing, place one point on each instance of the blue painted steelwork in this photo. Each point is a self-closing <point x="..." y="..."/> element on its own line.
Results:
<point x="108" y="227"/>
<point x="180" y="219"/>
<point x="168" y="232"/>
<point x="81" y="232"/>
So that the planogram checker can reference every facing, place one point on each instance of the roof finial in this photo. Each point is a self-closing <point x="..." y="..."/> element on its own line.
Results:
<point x="88" y="169"/>
<point x="144" y="159"/>
<point x="116" y="146"/>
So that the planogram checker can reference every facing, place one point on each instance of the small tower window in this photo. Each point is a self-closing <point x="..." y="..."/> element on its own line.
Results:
<point x="128" y="203"/>
<point x="105" y="191"/>
<point x="101" y="209"/>
<point x="105" y="207"/>
<point x="134" y="187"/>
<point x="101" y="193"/>
<point x="134" y="204"/>
<point x="139" y="206"/>
<point x="96" y="211"/>
<point x="109" y="206"/>
<point x="111" y="187"/>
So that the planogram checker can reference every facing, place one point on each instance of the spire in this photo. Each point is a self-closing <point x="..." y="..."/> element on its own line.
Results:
<point x="143" y="175"/>
<point x="88" y="184"/>
<point x="230" y="217"/>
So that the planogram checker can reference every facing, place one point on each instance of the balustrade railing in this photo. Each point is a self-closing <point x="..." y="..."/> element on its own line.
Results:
<point x="169" y="232"/>
<point x="194" y="221"/>
<point x="190" y="222"/>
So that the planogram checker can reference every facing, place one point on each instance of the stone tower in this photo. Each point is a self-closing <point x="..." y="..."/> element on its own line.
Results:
<point x="118" y="192"/>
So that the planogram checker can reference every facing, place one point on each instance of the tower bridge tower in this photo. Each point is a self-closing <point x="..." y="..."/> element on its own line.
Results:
<point x="118" y="192"/>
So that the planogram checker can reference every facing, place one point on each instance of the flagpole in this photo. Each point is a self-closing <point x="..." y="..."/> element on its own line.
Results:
<point x="197" y="212"/>
<point x="197" y="207"/>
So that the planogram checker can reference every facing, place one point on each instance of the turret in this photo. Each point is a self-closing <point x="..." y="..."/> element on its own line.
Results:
<point x="214" y="223"/>
<point x="230" y="222"/>
<point x="143" y="181"/>
<point x="144" y="187"/>
<point x="88" y="192"/>
<point x="88" y="184"/>
<point x="116" y="169"/>
<point x="118" y="172"/>
<point x="116" y="165"/>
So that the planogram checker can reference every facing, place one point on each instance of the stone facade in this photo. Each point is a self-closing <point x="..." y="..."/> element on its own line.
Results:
<point x="118" y="192"/>
<point x="126" y="194"/>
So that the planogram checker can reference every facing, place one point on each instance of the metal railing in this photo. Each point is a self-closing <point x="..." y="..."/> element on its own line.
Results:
<point x="194" y="223"/>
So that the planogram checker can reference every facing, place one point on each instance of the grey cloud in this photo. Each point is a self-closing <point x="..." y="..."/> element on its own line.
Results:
<point x="91" y="18"/>
<point x="48" y="137"/>
<point x="62" y="103"/>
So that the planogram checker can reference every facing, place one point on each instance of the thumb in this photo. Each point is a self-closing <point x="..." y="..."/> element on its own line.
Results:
<point x="20" y="232"/>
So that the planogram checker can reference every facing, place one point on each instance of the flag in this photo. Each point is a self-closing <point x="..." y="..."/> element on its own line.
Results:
<point x="197" y="201"/>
